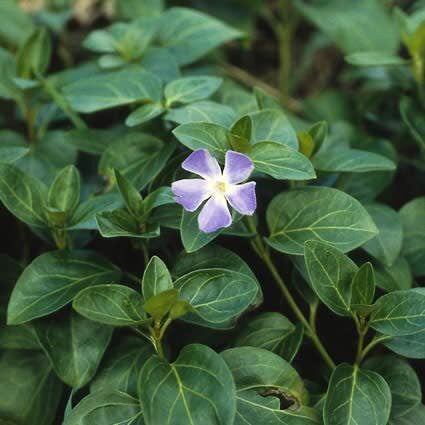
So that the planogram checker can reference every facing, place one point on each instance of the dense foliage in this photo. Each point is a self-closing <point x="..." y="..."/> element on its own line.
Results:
<point x="116" y="308"/>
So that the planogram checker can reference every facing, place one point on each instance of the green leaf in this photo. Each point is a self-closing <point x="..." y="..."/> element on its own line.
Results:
<point x="202" y="111"/>
<point x="53" y="279"/>
<point x="64" y="193"/>
<point x="13" y="146"/>
<point x="273" y="126"/>
<point x="189" y="34"/>
<point x="402" y="379"/>
<point x="113" y="89"/>
<point x="106" y="407"/>
<point x="196" y="389"/>
<point x="74" y="346"/>
<point x="85" y="214"/>
<point x="157" y="198"/>
<point x="202" y="135"/>
<point x="115" y="305"/>
<point x="351" y="160"/>
<point x="411" y="346"/>
<point x="414" y="417"/>
<point x="144" y="114"/>
<point x="386" y="245"/>
<point x="354" y="27"/>
<point x="273" y="332"/>
<point x="160" y="304"/>
<point x="16" y="25"/>
<point x="262" y="380"/>
<point x="129" y="9"/>
<point x="219" y="296"/>
<point x="30" y="392"/>
<point x="243" y="127"/>
<point x="357" y="396"/>
<point x="265" y="100"/>
<point x="130" y="195"/>
<point x="363" y="288"/>
<point x="317" y="213"/>
<point x="23" y="195"/>
<point x="160" y="62"/>
<point x="281" y="162"/>
<point x="413" y="220"/>
<point x="399" y="313"/>
<point x="394" y="278"/>
<point x="376" y="58"/>
<point x="156" y="278"/>
<point x="121" y="366"/>
<point x="331" y="274"/>
<point x="411" y="113"/>
<point x="120" y="223"/>
<point x="33" y="57"/>
<point x="190" y="89"/>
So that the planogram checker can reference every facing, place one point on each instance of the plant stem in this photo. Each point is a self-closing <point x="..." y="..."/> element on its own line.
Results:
<point x="375" y="341"/>
<point x="259" y="247"/>
<point x="362" y="329"/>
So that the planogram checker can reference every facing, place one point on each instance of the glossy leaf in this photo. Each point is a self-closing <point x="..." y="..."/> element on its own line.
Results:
<point x="317" y="213"/>
<point x="144" y="114"/>
<point x="156" y="278"/>
<point x="219" y="296"/>
<point x="160" y="304"/>
<point x="281" y="162"/>
<point x="74" y="346"/>
<point x="396" y="277"/>
<point x="411" y="346"/>
<point x="130" y="195"/>
<point x="64" y="193"/>
<point x="53" y="279"/>
<point x="363" y="288"/>
<point x="357" y="396"/>
<point x="13" y="146"/>
<point x="376" y="58"/>
<point x="115" y="305"/>
<point x="197" y="388"/>
<point x="415" y="416"/>
<point x="331" y="274"/>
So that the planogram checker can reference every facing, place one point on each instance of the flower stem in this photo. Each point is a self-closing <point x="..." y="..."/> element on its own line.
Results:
<point x="262" y="251"/>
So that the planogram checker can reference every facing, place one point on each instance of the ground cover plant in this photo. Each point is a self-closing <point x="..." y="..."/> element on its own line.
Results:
<point x="213" y="213"/>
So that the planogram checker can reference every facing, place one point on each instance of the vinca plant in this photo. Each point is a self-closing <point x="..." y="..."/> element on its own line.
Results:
<point x="213" y="212"/>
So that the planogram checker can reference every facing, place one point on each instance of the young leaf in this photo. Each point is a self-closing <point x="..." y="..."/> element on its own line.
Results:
<point x="74" y="345"/>
<point x="121" y="366"/>
<point x="413" y="220"/>
<point x="189" y="34"/>
<point x="357" y="396"/>
<point x="243" y="127"/>
<point x="160" y="304"/>
<point x="386" y="245"/>
<point x="114" y="305"/>
<point x="35" y="396"/>
<point x="331" y="274"/>
<point x="156" y="278"/>
<point x="402" y="379"/>
<point x="106" y="407"/>
<point x="130" y="195"/>
<point x="273" y="332"/>
<point x="399" y="313"/>
<point x="218" y="296"/>
<point x="363" y="288"/>
<point x="64" y="193"/>
<point x="281" y="162"/>
<point x="113" y="89"/>
<point x="23" y="195"/>
<point x="317" y="213"/>
<point x="190" y="89"/>
<point x="196" y="389"/>
<point x="53" y="279"/>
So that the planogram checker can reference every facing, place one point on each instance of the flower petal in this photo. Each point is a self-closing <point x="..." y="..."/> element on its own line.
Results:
<point x="237" y="168"/>
<point x="190" y="193"/>
<point x="242" y="198"/>
<point x="202" y="163"/>
<point x="214" y="215"/>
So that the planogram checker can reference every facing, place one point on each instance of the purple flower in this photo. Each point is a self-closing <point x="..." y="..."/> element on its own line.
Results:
<point x="218" y="187"/>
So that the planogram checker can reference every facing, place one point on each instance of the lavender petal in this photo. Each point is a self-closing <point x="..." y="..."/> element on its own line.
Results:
<point x="202" y="163"/>
<point x="214" y="215"/>
<point x="242" y="198"/>
<point x="237" y="168"/>
<point x="190" y="193"/>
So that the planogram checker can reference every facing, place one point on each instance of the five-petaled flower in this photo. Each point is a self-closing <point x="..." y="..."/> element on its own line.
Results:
<point x="218" y="187"/>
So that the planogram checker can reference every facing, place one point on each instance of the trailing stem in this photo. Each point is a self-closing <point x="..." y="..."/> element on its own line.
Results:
<point x="262" y="251"/>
